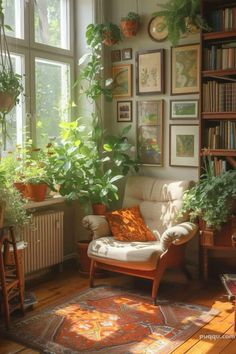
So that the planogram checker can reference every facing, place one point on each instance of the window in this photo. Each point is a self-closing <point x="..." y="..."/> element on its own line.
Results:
<point x="14" y="17"/>
<point x="46" y="64"/>
<point x="51" y="23"/>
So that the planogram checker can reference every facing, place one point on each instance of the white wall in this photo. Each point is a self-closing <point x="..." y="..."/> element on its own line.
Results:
<point x="114" y="11"/>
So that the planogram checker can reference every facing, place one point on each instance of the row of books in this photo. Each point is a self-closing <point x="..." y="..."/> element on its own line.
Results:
<point x="219" y="97"/>
<point x="223" y="19"/>
<point x="221" y="136"/>
<point x="219" y="166"/>
<point x="219" y="57"/>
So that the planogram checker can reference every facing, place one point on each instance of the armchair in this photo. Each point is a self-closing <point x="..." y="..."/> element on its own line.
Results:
<point x="159" y="202"/>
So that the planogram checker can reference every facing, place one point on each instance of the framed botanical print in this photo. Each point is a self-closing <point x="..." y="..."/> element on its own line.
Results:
<point x="150" y="72"/>
<point x="122" y="80"/>
<point x="124" y="111"/>
<point x="185" y="74"/>
<point x="149" y="132"/>
<point x="183" y="145"/>
<point x="184" y="109"/>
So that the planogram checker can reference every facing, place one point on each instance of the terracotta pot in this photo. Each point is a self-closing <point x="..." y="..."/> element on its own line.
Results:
<point x="7" y="102"/>
<point x="99" y="209"/>
<point x="108" y="39"/>
<point x="84" y="260"/>
<point x="36" y="192"/>
<point x="129" y="28"/>
<point x="20" y="186"/>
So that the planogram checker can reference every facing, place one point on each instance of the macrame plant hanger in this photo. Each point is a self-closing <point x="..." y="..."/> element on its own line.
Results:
<point x="7" y="100"/>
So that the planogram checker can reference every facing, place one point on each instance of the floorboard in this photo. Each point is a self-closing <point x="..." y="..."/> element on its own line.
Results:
<point x="215" y="337"/>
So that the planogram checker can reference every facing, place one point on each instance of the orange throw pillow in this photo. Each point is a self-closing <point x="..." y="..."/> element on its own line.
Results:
<point x="127" y="225"/>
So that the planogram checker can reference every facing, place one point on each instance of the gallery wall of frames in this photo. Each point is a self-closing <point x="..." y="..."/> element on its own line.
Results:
<point x="141" y="84"/>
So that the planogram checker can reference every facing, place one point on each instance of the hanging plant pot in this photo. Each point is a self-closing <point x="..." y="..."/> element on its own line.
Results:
<point x="7" y="102"/>
<point x="36" y="192"/>
<point x="99" y="209"/>
<point x="129" y="28"/>
<point x="108" y="39"/>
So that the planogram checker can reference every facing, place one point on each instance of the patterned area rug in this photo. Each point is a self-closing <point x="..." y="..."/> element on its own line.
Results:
<point x="108" y="320"/>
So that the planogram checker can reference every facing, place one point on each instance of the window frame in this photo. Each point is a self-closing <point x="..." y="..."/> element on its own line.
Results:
<point x="31" y="50"/>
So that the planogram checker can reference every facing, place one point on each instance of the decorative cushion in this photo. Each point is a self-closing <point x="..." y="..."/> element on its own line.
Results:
<point x="127" y="225"/>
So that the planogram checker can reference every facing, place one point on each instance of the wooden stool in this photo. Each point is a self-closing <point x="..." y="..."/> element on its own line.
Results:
<point x="11" y="283"/>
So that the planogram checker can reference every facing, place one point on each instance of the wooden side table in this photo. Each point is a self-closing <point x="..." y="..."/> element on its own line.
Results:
<point x="217" y="244"/>
<point x="11" y="282"/>
<point x="229" y="282"/>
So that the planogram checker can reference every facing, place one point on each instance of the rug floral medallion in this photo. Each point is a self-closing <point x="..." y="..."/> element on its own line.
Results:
<point x="109" y="320"/>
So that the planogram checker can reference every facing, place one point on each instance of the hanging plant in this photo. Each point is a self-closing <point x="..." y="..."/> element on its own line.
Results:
<point x="130" y="24"/>
<point x="10" y="83"/>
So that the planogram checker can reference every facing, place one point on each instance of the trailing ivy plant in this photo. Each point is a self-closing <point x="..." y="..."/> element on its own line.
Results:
<point x="87" y="164"/>
<point x="212" y="198"/>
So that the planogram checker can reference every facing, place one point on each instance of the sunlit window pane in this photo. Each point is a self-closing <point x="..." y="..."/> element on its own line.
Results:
<point x="14" y="17"/>
<point x="14" y="118"/>
<point x="51" y="22"/>
<point x="52" y="96"/>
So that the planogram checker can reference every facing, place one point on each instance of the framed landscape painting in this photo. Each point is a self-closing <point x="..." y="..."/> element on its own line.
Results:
<point x="185" y="62"/>
<point x="150" y="72"/>
<point x="184" y="109"/>
<point x="149" y="132"/>
<point x="184" y="145"/>
<point x="122" y="80"/>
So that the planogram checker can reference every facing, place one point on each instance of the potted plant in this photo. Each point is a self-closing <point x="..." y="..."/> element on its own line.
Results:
<point x="180" y="17"/>
<point x="10" y="82"/>
<point x="11" y="205"/>
<point x="129" y="24"/>
<point x="106" y="33"/>
<point x="212" y="198"/>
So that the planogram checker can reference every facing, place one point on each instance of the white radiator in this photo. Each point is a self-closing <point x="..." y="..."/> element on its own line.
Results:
<point x="44" y="239"/>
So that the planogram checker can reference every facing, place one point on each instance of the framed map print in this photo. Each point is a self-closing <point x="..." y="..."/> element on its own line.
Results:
<point x="184" y="145"/>
<point x="122" y="80"/>
<point x="185" y="72"/>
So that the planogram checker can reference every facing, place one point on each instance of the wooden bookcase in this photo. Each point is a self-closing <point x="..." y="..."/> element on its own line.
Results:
<point x="218" y="111"/>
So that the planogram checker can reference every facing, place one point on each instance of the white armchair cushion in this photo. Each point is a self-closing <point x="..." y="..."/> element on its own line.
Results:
<point x="97" y="225"/>
<point x="178" y="234"/>
<point x="135" y="255"/>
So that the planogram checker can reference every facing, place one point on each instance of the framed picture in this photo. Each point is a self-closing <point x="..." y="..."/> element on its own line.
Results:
<point x="149" y="72"/>
<point x="124" y="111"/>
<point x="184" y="109"/>
<point x="126" y="54"/>
<point x="149" y="132"/>
<point x="185" y="61"/>
<point x="183" y="145"/>
<point x="122" y="80"/>
<point x="115" y="55"/>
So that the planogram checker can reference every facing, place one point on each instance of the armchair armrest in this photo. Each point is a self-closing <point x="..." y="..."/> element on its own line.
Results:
<point x="97" y="225"/>
<point x="178" y="234"/>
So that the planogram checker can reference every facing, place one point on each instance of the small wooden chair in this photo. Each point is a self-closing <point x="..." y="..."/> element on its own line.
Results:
<point x="11" y="282"/>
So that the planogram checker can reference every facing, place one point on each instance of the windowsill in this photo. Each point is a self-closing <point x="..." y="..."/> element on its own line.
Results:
<point x="49" y="201"/>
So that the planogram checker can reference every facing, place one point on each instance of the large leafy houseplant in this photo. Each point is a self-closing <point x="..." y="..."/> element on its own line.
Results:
<point x="180" y="16"/>
<point x="10" y="82"/>
<point x="212" y="198"/>
<point x="86" y="163"/>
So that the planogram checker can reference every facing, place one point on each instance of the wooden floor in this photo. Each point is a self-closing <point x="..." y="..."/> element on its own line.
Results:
<point x="219" y="331"/>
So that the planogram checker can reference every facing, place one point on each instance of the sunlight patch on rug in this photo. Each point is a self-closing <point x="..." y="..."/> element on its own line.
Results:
<point x="109" y="320"/>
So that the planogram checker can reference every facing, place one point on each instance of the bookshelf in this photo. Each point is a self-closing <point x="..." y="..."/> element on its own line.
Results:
<point x="218" y="111"/>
